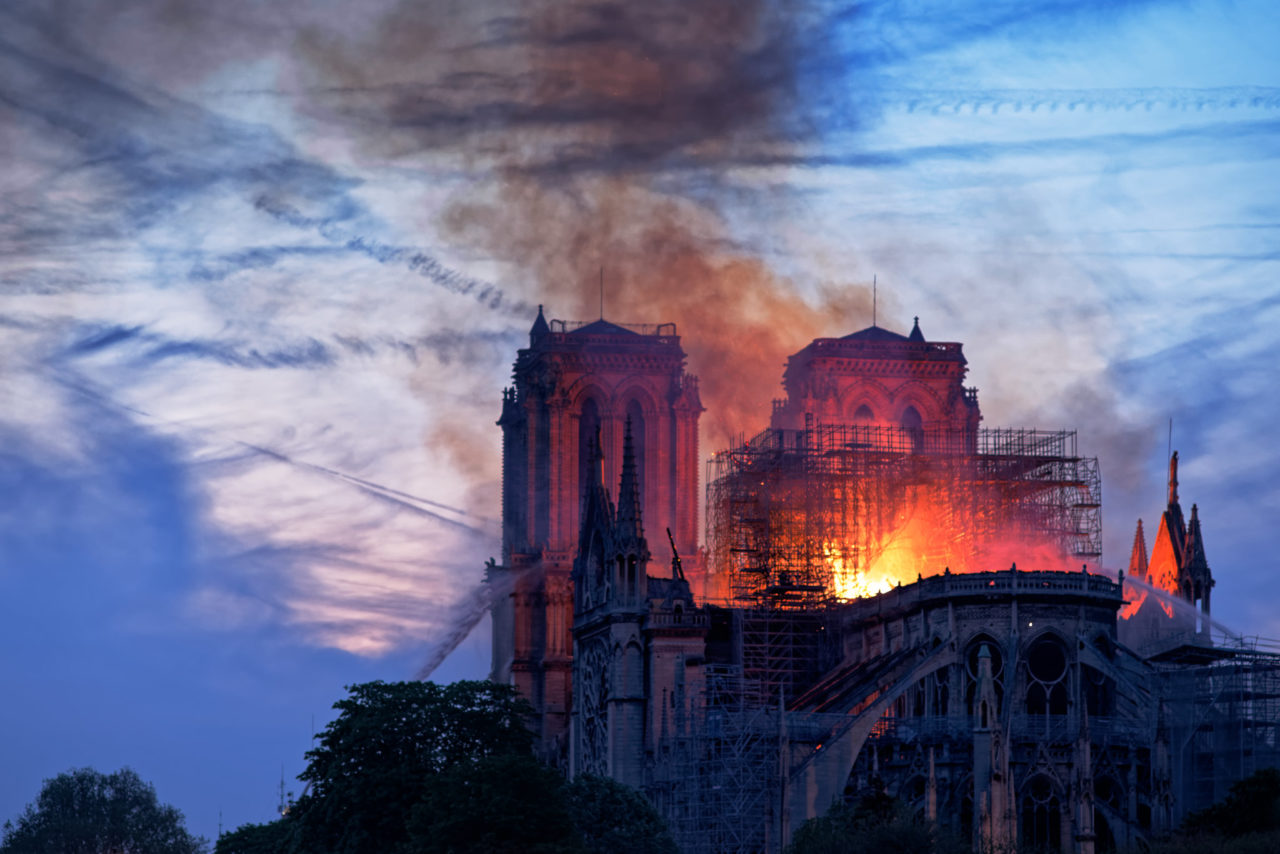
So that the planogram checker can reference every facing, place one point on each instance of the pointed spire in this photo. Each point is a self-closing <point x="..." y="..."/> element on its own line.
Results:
<point x="916" y="334"/>
<point x="1138" y="557"/>
<point x="1196" y="563"/>
<point x="1173" y="513"/>
<point x="597" y="509"/>
<point x="629" y="521"/>
<point x="540" y="327"/>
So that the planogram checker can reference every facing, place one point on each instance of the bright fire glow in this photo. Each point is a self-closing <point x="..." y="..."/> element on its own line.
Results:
<point x="925" y="544"/>
<point x="1162" y="573"/>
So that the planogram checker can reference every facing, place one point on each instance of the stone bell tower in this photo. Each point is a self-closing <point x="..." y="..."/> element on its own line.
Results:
<point x="575" y="382"/>
<point x="875" y="377"/>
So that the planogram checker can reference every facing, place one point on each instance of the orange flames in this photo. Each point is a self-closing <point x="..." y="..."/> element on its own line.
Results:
<point x="930" y="542"/>
<point x="783" y="529"/>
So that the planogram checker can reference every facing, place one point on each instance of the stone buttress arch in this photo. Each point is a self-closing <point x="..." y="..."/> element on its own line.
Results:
<point x="819" y="778"/>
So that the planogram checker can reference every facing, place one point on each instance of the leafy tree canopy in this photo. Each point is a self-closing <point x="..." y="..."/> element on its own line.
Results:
<point x="495" y="805"/>
<point x="874" y="824"/>
<point x="84" y="810"/>
<point x="389" y="739"/>
<point x="274" y="837"/>
<point x="616" y="819"/>
<point x="1253" y="806"/>
<point x="418" y="768"/>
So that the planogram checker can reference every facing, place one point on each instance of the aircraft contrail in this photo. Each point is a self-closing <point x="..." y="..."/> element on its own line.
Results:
<point x="415" y="503"/>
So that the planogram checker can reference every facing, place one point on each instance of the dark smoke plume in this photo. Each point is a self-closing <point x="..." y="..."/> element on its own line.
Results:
<point x="599" y="137"/>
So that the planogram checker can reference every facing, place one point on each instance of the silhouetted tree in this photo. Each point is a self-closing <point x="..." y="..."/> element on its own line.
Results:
<point x="417" y="768"/>
<point x="274" y="837"/>
<point x="616" y="819"/>
<point x="495" y="805"/>
<point x="374" y="761"/>
<point x="1252" y="806"/>
<point x="84" y="810"/>
<point x="876" y="824"/>
<point x="1246" y="821"/>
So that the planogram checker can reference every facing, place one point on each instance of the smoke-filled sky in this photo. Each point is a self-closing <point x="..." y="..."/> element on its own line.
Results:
<point x="265" y="267"/>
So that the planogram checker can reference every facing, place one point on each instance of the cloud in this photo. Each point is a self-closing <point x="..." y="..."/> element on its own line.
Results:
<point x="264" y="268"/>
<point x="301" y="244"/>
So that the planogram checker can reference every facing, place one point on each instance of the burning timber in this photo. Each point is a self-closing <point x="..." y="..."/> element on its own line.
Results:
<point x="891" y="598"/>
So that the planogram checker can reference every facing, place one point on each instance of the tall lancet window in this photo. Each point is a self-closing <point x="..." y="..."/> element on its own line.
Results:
<point x="588" y="430"/>
<point x="913" y="426"/>
<point x="636" y="414"/>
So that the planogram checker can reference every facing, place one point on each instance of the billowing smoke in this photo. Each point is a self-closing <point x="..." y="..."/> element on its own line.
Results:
<point x="600" y="139"/>
<point x="294" y="220"/>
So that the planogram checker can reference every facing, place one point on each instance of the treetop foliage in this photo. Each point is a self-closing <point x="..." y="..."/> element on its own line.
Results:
<point x="1253" y="806"/>
<point x="390" y="738"/>
<point x="875" y="824"/>
<point x="616" y="819"/>
<point x="414" y="728"/>
<point x="495" y="805"/>
<point x="85" y="811"/>
<point x="418" y="768"/>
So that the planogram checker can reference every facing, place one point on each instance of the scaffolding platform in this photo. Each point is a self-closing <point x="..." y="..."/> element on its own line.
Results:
<point x="796" y="518"/>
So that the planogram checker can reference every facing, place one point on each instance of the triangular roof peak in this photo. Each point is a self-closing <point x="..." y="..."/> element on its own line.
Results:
<point x="875" y="333"/>
<point x="916" y="335"/>
<point x="602" y="327"/>
<point x="540" y="327"/>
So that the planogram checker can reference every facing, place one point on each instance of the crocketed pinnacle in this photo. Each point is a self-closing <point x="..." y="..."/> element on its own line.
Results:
<point x="630" y="525"/>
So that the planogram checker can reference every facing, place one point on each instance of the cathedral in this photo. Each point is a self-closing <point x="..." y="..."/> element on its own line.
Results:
<point x="889" y="597"/>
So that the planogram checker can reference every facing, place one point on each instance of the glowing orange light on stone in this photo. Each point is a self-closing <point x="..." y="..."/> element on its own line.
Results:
<point x="1162" y="573"/>
<point x="925" y="544"/>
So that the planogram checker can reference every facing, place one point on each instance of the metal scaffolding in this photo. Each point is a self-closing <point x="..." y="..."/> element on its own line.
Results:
<point x="796" y="518"/>
<point x="716" y="779"/>
<point x="782" y="649"/>
<point x="1222" y="714"/>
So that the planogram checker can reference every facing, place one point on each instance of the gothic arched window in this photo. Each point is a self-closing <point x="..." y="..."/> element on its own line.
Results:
<point x="588" y="429"/>
<point x="913" y="426"/>
<point x="1041" y="815"/>
<point x="1047" y="677"/>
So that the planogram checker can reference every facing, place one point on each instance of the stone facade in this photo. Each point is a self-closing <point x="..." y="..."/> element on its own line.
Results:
<point x="572" y="386"/>
<point x="1004" y="704"/>
<point x="878" y="377"/>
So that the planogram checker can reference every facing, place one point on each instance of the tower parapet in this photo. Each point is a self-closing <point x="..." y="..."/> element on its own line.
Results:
<point x="878" y="377"/>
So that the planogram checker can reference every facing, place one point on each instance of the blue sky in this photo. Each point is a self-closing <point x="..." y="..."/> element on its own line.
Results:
<point x="264" y="267"/>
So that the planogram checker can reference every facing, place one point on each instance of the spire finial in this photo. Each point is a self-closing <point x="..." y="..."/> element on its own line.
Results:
<point x="1173" y="478"/>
